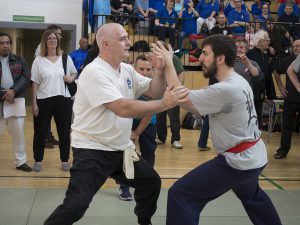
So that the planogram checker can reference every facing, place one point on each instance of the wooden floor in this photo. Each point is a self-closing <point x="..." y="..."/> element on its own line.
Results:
<point x="171" y="164"/>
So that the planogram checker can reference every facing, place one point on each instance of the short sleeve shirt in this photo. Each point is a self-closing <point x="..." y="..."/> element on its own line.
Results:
<point x="95" y="126"/>
<point x="232" y="120"/>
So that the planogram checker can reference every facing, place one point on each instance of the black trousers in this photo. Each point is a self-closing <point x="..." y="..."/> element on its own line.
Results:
<point x="289" y="113"/>
<point x="174" y="123"/>
<point x="90" y="170"/>
<point x="258" y="104"/>
<point x="61" y="108"/>
<point x="162" y="32"/>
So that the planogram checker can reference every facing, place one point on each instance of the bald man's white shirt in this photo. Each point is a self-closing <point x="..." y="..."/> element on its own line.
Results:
<point x="95" y="126"/>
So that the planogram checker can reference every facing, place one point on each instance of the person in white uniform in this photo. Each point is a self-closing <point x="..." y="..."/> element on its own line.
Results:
<point x="104" y="106"/>
<point x="236" y="138"/>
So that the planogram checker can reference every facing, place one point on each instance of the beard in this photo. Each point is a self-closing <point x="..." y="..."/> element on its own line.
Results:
<point x="211" y="71"/>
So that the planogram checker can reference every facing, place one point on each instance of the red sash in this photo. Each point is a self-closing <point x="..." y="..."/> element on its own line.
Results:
<point x="242" y="146"/>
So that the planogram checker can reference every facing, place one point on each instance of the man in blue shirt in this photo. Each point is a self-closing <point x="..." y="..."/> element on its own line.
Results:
<point x="78" y="56"/>
<point x="238" y="19"/>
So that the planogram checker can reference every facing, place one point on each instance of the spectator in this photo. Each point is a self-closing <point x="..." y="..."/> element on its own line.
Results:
<point x="238" y="19"/>
<point x="294" y="8"/>
<point x="188" y="23"/>
<point x="51" y="97"/>
<point x="221" y="27"/>
<point x="179" y="5"/>
<point x="256" y="8"/>
<point x="143" y="10"/>
<point x="265" y="15"/>
<point x="14" y="80"/>
<point x="289" y="17"/>
<point x="165" y="23"/>
<point x="207" y="10"/>
<point x="230" y="6"/>
<point x="260" y="54"/>
<point x="121" y="9"/>
<point x="143" y="130"/>
<point x="173" y="113"/>
<point x="78" y="56"/>
<point x="291" y="102"/>
<point x="93" y="52"/>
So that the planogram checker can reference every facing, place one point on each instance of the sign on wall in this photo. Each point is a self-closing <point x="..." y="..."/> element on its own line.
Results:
<point x="32" y="19"/>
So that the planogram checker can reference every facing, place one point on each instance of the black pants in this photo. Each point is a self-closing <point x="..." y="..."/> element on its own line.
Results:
<point x="147" y="142"/>
<point x="289" y="113"/>
<point x="174" y="123"/>
<point x="162" y="32"/>
<point x="61" y="108"/>
<point x="258" y="104"/>
<point x="90" y="170"/>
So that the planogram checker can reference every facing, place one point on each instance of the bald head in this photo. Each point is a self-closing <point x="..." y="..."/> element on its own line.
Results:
<point x="107" y="32"/>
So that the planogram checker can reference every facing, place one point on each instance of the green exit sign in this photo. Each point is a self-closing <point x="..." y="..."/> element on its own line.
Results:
<point x="33" y="19"/>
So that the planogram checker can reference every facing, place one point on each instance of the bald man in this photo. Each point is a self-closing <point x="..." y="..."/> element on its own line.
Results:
<point x="103" y="110"/>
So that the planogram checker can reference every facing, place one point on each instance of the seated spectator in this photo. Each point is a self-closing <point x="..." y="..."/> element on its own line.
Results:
<point x="179" y="5"/>
<point x="188" y="24"/>
<point x="207" y="10"/>
<point x="78" y="56"/>
<point x="256" y="8"/>
<point x="121" y="8"/>
<point x="165" y="23"/>
<point x="238" y="19"/>
<point x="230" y="6"/>
<point x="289" y="17"/>
<point x="279" y="2"/>
<point x="142" y="9"/>
<point x="265" y="15"/>
<point x="249" y="35"/>
<point x="221" y="27"/>
<point x="281" y="8"/>
<point x="156" y="5"/>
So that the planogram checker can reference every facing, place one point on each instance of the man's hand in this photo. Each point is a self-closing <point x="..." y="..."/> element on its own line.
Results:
<point x="244" y="59"/>
<point x="283" y="91"/>
<point x="134" y="137"/>
<point x="35" y="110"/>
<point x="174" y="96"/>
<point x="9" y="96"/>
<point x="160" y="50"/>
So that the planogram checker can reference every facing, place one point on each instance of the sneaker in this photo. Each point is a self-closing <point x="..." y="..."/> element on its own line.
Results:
<point x="124" y="194"/>
<point x="65" y="166"/>
<point x="177" y="145"/>
<point x="207" y="148"/>
<point x="159" y="142"/>
<point x="24" y="167"/>
<point x="280" y="155"/>
<point x="37" y="166"/>
<point x="49" y="144"/>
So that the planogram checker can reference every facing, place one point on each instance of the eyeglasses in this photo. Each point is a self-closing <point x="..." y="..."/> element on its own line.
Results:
<point x="51" y="38"/>
<point x="5" y="43"/>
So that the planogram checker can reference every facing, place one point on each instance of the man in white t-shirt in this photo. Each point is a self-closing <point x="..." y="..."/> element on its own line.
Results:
<point x="236" y="137"/>
<point x="103" y="110"/>
<point x="294" y="73"/>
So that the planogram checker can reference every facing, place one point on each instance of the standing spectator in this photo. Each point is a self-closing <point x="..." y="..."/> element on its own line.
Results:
<point x="50" y="140"/>
<point x="14" y="80"/>
<point x="78" y="56"/>
<point x="51" y="97"/>
<point x="173" y="113"/>
<point x="165" y="23"/>
<point x="291" y="102"/>
<point x="143" y="130"/>
<point x="238" y="19"/>
<point x="260" y="54"/>
<point x="221" y="27"/>
<point x="207" y="10"/>
<point x="188" y="23"/>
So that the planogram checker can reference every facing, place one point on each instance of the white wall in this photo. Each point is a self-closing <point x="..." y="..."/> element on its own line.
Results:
<point x="54" y="11"/>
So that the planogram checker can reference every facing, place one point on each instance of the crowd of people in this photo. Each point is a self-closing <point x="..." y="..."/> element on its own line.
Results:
<point x="118" y="106"/>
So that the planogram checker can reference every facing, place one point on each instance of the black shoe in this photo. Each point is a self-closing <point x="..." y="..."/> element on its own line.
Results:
<point x="24" y="167"/>
<point x="53" y="141"/>
<point x="280" y="155"/>
<point x="49" y="144"/>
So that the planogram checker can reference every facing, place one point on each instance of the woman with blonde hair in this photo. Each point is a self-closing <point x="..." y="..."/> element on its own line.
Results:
<point x="51" y="97"/>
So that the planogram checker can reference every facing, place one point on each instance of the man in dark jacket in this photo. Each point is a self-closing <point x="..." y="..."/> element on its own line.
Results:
<point x="14" y="79"/>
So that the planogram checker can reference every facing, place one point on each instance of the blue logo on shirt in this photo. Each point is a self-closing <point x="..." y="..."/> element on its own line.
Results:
<point x="129" y="84"/>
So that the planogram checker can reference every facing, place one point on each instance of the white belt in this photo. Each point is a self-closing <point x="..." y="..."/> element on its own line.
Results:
<point x="129" y="156"/>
